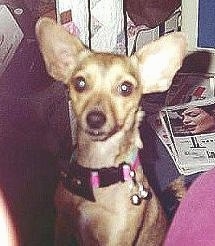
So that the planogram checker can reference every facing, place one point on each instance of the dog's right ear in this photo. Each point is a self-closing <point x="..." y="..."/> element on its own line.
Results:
<point x="60" y="49"/>
<point x="159" y="61"/>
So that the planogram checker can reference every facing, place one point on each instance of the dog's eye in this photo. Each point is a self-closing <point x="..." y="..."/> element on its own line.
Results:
<point x="125" y="89"/>
<point x="80" y="84"/>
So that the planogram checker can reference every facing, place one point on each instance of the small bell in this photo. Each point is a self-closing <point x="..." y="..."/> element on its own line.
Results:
<point x="132" y="174"/>
<point x="135" y="199"/>
<point x="144" y="194"/>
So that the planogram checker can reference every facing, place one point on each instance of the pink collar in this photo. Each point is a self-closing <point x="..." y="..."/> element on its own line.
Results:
<point x="128" y="172"/>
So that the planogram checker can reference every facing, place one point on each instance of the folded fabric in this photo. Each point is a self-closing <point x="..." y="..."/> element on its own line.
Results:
<point x="100" y="24"/>
<point x="193" y="223"/>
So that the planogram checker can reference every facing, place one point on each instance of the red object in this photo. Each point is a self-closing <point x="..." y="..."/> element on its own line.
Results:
<point x="199" y="91"/>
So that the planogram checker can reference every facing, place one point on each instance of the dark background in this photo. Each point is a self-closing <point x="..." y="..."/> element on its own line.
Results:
<point x="34" y="137"/>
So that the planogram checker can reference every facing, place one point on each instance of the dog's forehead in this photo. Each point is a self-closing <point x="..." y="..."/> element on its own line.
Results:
<point x="105" y="63"/>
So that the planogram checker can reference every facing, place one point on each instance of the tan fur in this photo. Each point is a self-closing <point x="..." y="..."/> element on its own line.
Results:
<point x="112" y="219"/>
<point x="178" y="188"/>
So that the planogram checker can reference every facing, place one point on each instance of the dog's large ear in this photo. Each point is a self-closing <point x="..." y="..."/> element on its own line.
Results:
<point x="159" y="61"/>
<point x="59" y="48"/>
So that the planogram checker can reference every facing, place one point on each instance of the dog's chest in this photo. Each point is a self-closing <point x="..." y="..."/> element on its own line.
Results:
<point x="112" y="213"/>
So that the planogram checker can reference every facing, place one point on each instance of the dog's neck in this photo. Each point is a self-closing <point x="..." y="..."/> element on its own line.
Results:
<point x="111" y="152"/>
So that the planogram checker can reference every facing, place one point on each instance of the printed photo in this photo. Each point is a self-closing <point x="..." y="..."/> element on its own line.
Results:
<point x="192" y="120"/>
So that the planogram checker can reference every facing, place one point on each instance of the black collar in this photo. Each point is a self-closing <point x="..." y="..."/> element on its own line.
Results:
<point x="79" y="179"/>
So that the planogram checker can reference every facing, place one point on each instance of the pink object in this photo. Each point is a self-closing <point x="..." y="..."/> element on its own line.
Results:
<point x="95" y="179"/>
<point x="126" y="172"/>
<point x="72" y="28"/>
<point x="136" y="163"/>
<point x="194" y="221"/>
<point x="127" y="169"/>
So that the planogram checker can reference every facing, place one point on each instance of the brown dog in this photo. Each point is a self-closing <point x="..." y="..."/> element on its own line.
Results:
<point x="105" y="199"/>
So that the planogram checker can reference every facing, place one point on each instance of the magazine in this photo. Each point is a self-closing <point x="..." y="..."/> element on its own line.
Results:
<point x="190" y="144"/>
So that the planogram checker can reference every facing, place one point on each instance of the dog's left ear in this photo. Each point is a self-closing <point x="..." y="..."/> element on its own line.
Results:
<point x="159" y="60"/>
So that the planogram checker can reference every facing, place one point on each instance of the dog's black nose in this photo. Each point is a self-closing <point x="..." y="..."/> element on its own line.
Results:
<point x="96" y="119"/>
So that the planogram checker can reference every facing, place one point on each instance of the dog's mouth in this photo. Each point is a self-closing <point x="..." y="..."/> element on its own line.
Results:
<point x="99" y="134"/>
<point x="95" y="133"/>
<point x="98" y="126"/>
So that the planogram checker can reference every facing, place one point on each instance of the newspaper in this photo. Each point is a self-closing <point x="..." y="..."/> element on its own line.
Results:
<point x="187" y="129"/>
<point x="11" y="36"/>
